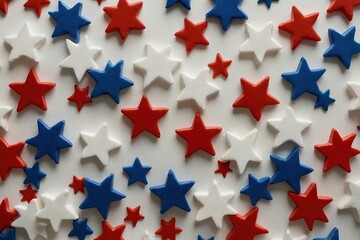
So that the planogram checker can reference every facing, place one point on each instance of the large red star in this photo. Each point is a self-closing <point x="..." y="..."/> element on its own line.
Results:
<point x="10" y="157"/>
<point x="7" y="214"/>
<point x="80" y="97"/>
<point x="223" y="168"/>
<point x="300" y="27"/>
<point x="168" y="230"/>
<point x="77" y="184"/>
<point x="133" y="215"/>
<point x="109" y="232"/>
<point x="346" y="6"/>
<point x="309" y="206"/>
<point x="145" y="117"/>
<point x="124" y="18"/>
<point x="338" y="151"/>
<point x="28" y="194"/>
<point x="219" y="66"/>
<point x="198" y="136"/>
<point x="32" y="91"/>
<point x="37" y="5"/>
<point x="192" y="34"/>
<point x="4" y="5"/>
<point x="255" y="97"/>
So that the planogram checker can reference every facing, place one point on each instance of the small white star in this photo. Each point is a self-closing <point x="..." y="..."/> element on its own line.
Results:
<point x="352" y="201"/>
<point x="5" y="112"/>
<point x="354" y="89"/>
<point x="289" y="236"/>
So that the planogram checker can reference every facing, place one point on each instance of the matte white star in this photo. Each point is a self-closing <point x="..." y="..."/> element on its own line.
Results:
<point x="289" y="236"/>
<point x="5" y="112"/>
<point x="354" y="89"/>
<point x="352" y="201"/>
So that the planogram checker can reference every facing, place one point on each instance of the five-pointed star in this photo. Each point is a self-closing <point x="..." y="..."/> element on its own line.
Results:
<point x="80" y="97"/>
<point x="133" y="215"/>
<point x="219" y="66"/>
<point x="354" y="88"/>
<point x="10" y="157"/>
<point x="289" y="128"/>
<point x="193" y="34"/>
<point x="168" y="229"/>
<point x="346" y="6"/>
<point x="352" y="200"/>
<point x="289" y="236"/>
<point x="37" y="5"/>
<point x="5" y="112"/>
<point x="259" y="42"/>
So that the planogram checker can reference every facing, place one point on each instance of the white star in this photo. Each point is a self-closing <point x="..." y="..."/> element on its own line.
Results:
<point x="157" y="65"/>
<point x="25" y="44"/>
<point x="5" y="112"/>
<point x="352" y="201"/>
<point x="241" y="149"/>
<point x="197" y="89"/>
<point x="259" y="42"/>
<point x="289" y="236"/>
<point x="99" y="144"/>
<point x="289" y="128"/>
<point x="81" y="57"/>
<point x="354" y="89"/>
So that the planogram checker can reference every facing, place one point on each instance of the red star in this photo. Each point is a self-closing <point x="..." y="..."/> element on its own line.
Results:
<point x="223" y="168"/>
<point x="99" y="1"/>
<point x="300" y="27"/>
<point x="309" y="206"/>
<point x="77" y="184"/>
<point x="37" y="5"/>
<point x="7" y="214"/>
<point x="144" y="118"/>
<point x="109" y="232"/>
<point x="338" y="151"/>
<point x="346" y="6"/>
<point x="10" y="157"/>
<point x="4" y="5"/>
<point x="32" y="91"/>
<point x="220" y="66"/>
<point x="245" y="227"/>
<point x="28" y="194"/>
<point x="168" y="230"/>
<point x="133" y="215"/>
<point x="192" y="34"/>
<point x="198" y="136"/>
<point x="80" y="97"/>
<point x="255" y="97"/>
<point x="124" y="18"/>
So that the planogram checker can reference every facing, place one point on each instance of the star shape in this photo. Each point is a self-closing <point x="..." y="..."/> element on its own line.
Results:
<point x="184" y="3"/>
<point x="80" y="97"/>
<point x="137" y="172"/>
<point x="289" y="236"/>
<point x="257" y="189"/>
<point x="37" y="5"/>
<point x="28" y="194"/>
<point x="267" y="2"/>
<point x="10" y="157"/>
<point x="32" y="91"/>
<point x="145" y="117"/>
<point x="80" y="229"/>
<point x="4" y="6"/>
<point x="220" y="66"/>
<point x="172" y="193"/>
<point x="300" y="27"/>
<point x="198" y="136"/>
<point x="352" y="199"/>
<point x="354" y="89"/>
<point x="5" y="112"/>
<point x="110" y="232"/>
<point x="324" y="100"/>
<point x="168" y="229"/>
<point x="7" y="214"/>
<point x="259" y="42"/>
<point x="223" y="168"/>
<point x="34" y="175"/>
<point x="9" y="235"/>
<point x="193" y="34"/>
<point x="346" y="6"/>
<point x="333" y="235"/>
<point x="202" y="238"/>
<point x="78" y="184"/>
<point x="133" y="215"/>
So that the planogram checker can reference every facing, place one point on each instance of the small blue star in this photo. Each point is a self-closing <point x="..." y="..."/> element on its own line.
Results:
<point x="137" y="172"/>
<point x="34" y="175"/>
<point x="201" y="238"/>
<point x="80" y="229"/>
<point x="304" y="80"/>
<point x="110" y="81"/>
<point x="172" y="193"/>
<point x="343" y="46"/>
<point x="289" y="170"/>
<point x="100" y="195"/>
<point x="9" y="235"/>
<point x="257" y="189"/>
<point x="334" y="235"/>
<point x="184" y="3"/>
<point x="226" y="11"/>
<point x="324" y="100"/>
<point x="267" y="2"/>
<point x="49" y="140"/>
<point x="68" y="21"/>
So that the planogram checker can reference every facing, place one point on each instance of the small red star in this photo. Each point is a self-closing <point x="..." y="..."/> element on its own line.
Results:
<point x="192" y="34"/>
<point x="124" y="18"/>
<point x="77" y="184"/>
<point x="219" y="66"/>
<point x="223" y="168"/>
<point x="10" y="157"/>
<point x="145" y="117"/>
<point x="37" y="5"/>
<point x="28" y="194"/>
<point x="109" y="232"/>
<point x="198" y="136"/>
<point x="80" y="97"/>
<point x="300" y="27"/>
<point x="309" y="206"/>
<point x="346" y="6"/>
<point x="133" y="215"/>
<point x="255" y="97"/>
<point x="338" y="151"/>
<point x="168" y="230"/>
<point x="32" y="91"/>
<point x="7" y="214"/>
<point x="4" y="5"/>
<point x="245" y="227"/>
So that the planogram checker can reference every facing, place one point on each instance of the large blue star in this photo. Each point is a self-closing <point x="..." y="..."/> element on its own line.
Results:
<point x="324" y="100"/>
<point x="184" y="3"/>
<point x="343" y="46"/>
<point x="172" y="193"/>
<point x="257" y="189"/>
<point x="80" y="229"/>
<point x="267" y="2"/>
<point x="110" y="81"/>
<point x="100" y="195"/>
<point x="49" y="140"/>
<point x="137" y="172"/>
<point x="334" y="235"/>
<point x="34" y="175"/>
<point x="68" y="21"/>
<point x="9" y="235"/>
<point x="226" y="11"/>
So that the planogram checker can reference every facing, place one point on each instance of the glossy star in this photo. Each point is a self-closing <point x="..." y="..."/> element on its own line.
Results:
<point x="80" y="97"/>
<point x="37" y="5"/>
<point x="110" y="232"/>
<point x="184" y="3"/>
<point x="346" y="6"/>
<point x="77" y="184"/>
<point x="4" y="4"/>
<point x="133" y="215"/>
<point x="219" y="66"/>
<point x="5" y="112"/>
<point x="8" y="235"/>
<point x="7" y="214"/>
<point x="324" y="100"/>
<point x="80" y="229"/>
<point x="333" y="235"/>
<point x="223" y="168"/>
<point x="10" y="157"/>
<point x="34" y="175"/>
<point x="352" y="199"/>
<point x="193" y="34"/>
<point x="257" y="189"/>
<point x="289" y="236"/>
<point x="28" y="194"/>
<point x="168" y="230"/>
<point x="267" y="2"/>
<point x="137" y="172"/>
<point x="354" y="89"/>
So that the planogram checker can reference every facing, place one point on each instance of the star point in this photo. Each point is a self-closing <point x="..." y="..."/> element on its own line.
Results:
<point x="10" y="157"/>
<point x="345" y="6"/>
<point x="80" y="229"/>
<point x="110" y="232"/>
<point x="37" y="5"/>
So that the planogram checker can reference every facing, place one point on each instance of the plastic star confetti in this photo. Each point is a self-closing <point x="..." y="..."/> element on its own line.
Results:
<point x="7" y="214"/>
<point x="267" y="2"/>
<point x="324" y="100"/>
<point x="110" y="232"/>
<point x="80" y="97"/>
<point x="193" y="34"/>
<point x="78" y="184"/>
<point x="137" y="172"/>
<point x="220" y="66"/>
<point x="28" y="194"/>
<point x="80" y="229"/>
<point x="5" y="112"/>
<point x="184" y="3"/>
<point x="352" y="200"/>
<point x="133" y="215"/>
<point x="37" y="5"/>
<point x="346" y="6"/>
<point x="10" y="157"/>
<point x="257" y="189"/>
<point x="4" y="4"/>
<point x="34" y="175"/>
<point x="168" y="230"/>
<point x="223" y="168"/>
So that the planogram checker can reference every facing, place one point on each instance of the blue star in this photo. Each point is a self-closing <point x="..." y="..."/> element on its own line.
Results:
<point x="334" y="235"/>
<point x="172" y="193"/>
<point x="289" y="170"/>
<point x="9" y="235"/>
<point x="304" y="80"/>
<point x="324" y="100"/>
<point x="257" y="189"/>
<point x="201" y="238"/>
<point x="267" y="2"/>
<point x="49" y="140"/>
<point x="184" y="3"/>
<point x="100" y="195"/>
<point x="110" y="81"/>
<point x="226" y="11"/>
<point x="68" y="21"/>
<point x="80" y="229"/>
<point x="137" y="172"/>
<point x="343" y="46"/>
<point x="34" y="175"/>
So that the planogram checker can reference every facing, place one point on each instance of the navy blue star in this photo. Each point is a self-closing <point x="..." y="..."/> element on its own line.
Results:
<point x="201" y="238"/>
<point x="324" y="100"/>
<point x="110" y="81"/>
<point x="137" y="172"/>
<point x="34" y="175"/>
<point x="257" y="189"/>
<point x="226" y="11"/>
<point x="267" y="2"/>
<point x="342" y="46"/>
<point x="100" y="195"/>
<point x="80" y="229"/>
<point x="49" y="140"/>
<point x="184" y="3"/>
<point x="304" y="79"/>
<point x="9" y="235"/>
<point x="172" y="193"/>
<point x="289" y="170"/>
<point x="334" y="235"/>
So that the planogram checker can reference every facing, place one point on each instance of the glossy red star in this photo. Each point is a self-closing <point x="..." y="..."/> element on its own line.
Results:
<point x="32" y="91"/>
<point x="346" y="6"/>
<point x="223" y="168"/>
<point x="219" y="66"/>
<point x="7" y="214"/>
<point x="309" y="206"/>
<point x="301" y="27"/>
<point x="4" y="6"/>
<point x="133" y="215"/>
<point x="124" y="18"/>
<point x="255" y="97"/>
<point x="37" y="5"/>
<point x="168" y="230"/>
<point x="77" y="184"/>
<point x="145" y="117"/>
<point x="198" y="136"/>
<point x="109" y="232"/>
<point x="28" y="194"/>
<point x="192" y="34"/>
<point x="10" y="157"/>
<point x="338" y="151"/>
<point x="80" y="97"/>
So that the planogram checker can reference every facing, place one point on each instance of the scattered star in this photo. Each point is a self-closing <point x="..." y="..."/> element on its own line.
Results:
<point x="223" y="168"/>
<point x="78" y="184"/>
<point x="133" y="215"/>
<point x="110" y="232"/>
<point x="137" y="172"/>
<point x="28" y="194"/>
<point x="184" y="3"/>
<point x="352" y="199"/>
<point x="10" y="157"/>
<point x="37" y="5"/>
<point x="257" y="189"/>
<point x="346" y="6"/>
<point x="193" y="34"/>
<point x="324" y="100"/>
<point x="34" y="175"/>
<point x="220" y="66"/>
<point x="80" y="229"/>
<point x="168" y="229"/>
<point x="80" y="97"/>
